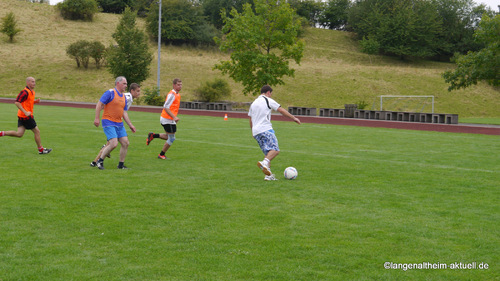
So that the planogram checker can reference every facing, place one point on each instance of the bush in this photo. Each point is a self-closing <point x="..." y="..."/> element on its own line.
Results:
<point x="369" y="46"/>
<point x="213" y="91"/>
<point x="78" y="9"/>
<point x="83" y="50"/>
<point x="151" y="96"/>
<point x="362" y="104"/>
<point x="98" y="53"/>
<point x="9" y="26"/>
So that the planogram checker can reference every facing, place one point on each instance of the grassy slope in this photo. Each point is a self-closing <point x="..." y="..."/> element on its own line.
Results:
<point x="333" y="71"/>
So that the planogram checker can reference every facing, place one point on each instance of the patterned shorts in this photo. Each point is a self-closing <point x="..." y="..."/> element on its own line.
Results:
<point x="267" y="141"/>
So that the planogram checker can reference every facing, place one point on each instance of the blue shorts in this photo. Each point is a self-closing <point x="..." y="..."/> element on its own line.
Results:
<point x="113" y="132"/>
<point x="267" y="141"/>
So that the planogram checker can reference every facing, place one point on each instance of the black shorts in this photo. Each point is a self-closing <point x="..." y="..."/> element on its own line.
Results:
<point x="170" y="128"/>
<point x="29" y="124"/>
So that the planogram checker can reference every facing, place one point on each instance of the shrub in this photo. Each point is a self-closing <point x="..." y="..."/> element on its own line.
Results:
<point x="369" y="46"/>
<point x="151" y="96"/>
<point x="213" y="91"/>
<point x="78" y="9"/>
<point x="362" y="104"/>
<point x="9" y="26"/>
<point x="83" y="50"/>
<point x="97" y="52"/>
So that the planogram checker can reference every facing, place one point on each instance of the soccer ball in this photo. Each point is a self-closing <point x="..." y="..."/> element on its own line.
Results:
<point x="290" y="173"/>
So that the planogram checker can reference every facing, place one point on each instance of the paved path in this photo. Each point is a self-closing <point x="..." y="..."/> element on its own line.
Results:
<point x="450" y="128"/>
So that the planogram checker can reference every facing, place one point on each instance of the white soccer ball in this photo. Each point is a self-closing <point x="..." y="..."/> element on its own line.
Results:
<point x="291" y="173"/>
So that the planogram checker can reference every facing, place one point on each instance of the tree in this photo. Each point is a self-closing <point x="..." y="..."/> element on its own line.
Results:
<point x="181" y="22"/>
<point x="131" y="57"/>
<point x="9" y="26"/>
<point x="114" y="6"/>
<point x="460" y="18"/>
<point x="261" y="44"/>
<point x="482" y="65"/>
<point x="80" y="51"/>
<point x="97" y="52"/>
<point x="405" y="28"/>
<point x="310" y="10"/>
<point x="335" y="14"/>
<point x="212" y="9"/>
<point x="78" y="9"/>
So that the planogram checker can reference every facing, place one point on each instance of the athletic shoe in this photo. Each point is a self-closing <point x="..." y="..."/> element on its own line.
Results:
<point x="265" y="168"/>
<point x="93" y="164"/>
<point x="270" y="178"/>
<point x="122" y="167"/>
<point x="100" y="165"/>
<point x="45" y="151"/>
<point x="150" y="138"/>
<point x="161" y="157"/>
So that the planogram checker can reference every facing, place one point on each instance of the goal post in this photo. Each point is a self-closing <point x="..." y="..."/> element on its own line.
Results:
<point x="406" y="103"/>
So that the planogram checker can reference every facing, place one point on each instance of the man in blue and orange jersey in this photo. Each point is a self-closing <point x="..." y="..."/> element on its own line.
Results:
<point x="25" y="102"/>
<point x="135" y="92"/>
<point x="115" y="111"/>
<point x="169" y="118"/>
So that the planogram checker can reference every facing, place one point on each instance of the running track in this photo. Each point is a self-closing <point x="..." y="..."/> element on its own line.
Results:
<point x="450" y="128"/>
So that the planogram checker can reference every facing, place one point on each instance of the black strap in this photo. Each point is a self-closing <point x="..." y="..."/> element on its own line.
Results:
<point x="267" y="101"/>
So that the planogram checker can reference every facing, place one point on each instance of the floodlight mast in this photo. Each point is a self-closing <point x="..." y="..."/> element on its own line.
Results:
<point x="159" y="47"/>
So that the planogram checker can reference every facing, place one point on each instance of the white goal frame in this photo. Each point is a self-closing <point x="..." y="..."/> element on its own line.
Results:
<point x="393" y="96"/>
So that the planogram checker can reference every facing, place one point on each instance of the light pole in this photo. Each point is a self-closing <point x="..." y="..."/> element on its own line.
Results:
<point x="159" y="47"/>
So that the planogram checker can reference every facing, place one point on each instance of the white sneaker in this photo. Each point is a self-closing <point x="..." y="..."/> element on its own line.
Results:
<point x="264" y="167"/>
<point x="270" y="178"/>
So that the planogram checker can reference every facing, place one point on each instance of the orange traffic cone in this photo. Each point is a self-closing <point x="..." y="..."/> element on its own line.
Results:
<point x="225" y="117"/>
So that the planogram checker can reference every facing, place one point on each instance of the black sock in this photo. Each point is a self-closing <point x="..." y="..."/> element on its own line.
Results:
<point x="100" y="160"/>
<point x="155" y="136"/>
<point x="120" y="164"/>
<point x="162" y="153"/>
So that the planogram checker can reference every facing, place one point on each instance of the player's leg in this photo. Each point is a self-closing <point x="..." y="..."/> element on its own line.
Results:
<point x="268" y="143"/>
<point x="170" y="130"/>
<point x="18" y="134"/>
<point x="112" y="136"/>
<point x="124" y="142"/>
<point x="152" y="136"/>
<point x="21" y="128"/>
<point x="30" y="124"/>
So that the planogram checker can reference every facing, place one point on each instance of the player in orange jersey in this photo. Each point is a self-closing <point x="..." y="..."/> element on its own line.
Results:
<point x="169" y="118"/>
<point x="114" y="103"/>
<point x="25" y="102"/>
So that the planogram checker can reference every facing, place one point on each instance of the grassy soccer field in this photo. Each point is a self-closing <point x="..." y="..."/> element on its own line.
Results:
<point x="363" y="197"/>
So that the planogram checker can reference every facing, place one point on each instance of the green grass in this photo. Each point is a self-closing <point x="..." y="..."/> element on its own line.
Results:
<point x="364" y="196"/>
<point x="333" y="71"/>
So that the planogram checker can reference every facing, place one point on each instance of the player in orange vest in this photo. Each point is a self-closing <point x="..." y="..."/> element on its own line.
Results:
<point x="135" y="92"/>
<point x="114" y="103"/>
<point x="25" y="102"/>
<point x="169" y="118"/>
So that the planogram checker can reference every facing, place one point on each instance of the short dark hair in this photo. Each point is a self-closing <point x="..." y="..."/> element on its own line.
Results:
<point x="176" y="80"/>
<point x="134" y="86"/>
<point x="265" y="89"/>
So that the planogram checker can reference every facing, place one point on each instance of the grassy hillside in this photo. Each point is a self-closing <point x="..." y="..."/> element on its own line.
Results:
<point x="332" y="73"/>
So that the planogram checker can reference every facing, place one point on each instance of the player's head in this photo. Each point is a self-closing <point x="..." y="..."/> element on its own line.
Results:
<point x="30" y="82"/>
<point x="135" y="90"/>
<point x="265" y="89"/>
<point x="121" y="83"/>
<point x="177" y="84"/>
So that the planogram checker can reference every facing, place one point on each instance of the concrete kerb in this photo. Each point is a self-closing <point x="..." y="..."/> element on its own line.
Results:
<point x="451" y="128"/>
